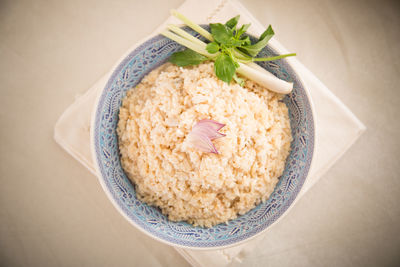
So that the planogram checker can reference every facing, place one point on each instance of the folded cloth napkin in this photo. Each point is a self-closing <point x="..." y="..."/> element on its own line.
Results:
<point x="336" y="126"/>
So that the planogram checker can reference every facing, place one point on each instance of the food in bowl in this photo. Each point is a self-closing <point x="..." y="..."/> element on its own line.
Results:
<point x="204" y="189"/>
<point x="130" y="71"/>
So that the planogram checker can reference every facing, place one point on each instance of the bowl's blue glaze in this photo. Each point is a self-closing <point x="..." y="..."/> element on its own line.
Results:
<point x="129" y="72"/>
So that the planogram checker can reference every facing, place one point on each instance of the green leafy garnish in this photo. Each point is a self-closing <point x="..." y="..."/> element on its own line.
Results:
<point x="187" y="58"/>
<point x="242" y="30"/>
<point x="229" y="47"/>
<point x="212" y="47"/>
<point x="231" y="24"/>
<point x="224" y="67"/>
<point x="221" y="33"/>
<point x="254" y="49"/>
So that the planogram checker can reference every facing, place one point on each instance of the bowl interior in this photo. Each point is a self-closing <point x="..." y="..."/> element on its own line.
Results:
<point x="129" y="72"/>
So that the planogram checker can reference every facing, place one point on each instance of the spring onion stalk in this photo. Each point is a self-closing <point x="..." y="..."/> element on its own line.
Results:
<point x="245" y="59"/>
<point x="267" y="80"/>
<point x="239" y="55"/>
<point x="189" y="44"/>
<point x="247" y="68"/>
<point x="272" y="58"/>
<point x="192" y="25"/>
<point x="186" y="35"/>
<point x="259" y="68"/>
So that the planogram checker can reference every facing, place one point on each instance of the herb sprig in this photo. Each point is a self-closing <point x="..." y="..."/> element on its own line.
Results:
<point x="231" y="50"/>
<point x="229" y="47"/>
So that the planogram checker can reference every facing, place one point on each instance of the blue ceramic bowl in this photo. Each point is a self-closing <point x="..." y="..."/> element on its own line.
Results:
<point x="150" y="220"/>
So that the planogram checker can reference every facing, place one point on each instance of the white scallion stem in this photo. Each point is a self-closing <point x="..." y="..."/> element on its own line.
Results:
<point x="192" y="25"/>
<point x="261" y="69"/>
<point x="269" y="81"/>
<point x="257" y="67"/>
<point x="180" y="40"/>
<point x="261" y="75"/>
<point x="185" y="35"/>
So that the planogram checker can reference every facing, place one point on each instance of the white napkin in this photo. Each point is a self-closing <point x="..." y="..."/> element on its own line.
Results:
<point x="336" y="126"/>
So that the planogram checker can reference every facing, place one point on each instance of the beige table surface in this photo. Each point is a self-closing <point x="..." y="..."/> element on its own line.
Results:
<point x="53" y="212"/>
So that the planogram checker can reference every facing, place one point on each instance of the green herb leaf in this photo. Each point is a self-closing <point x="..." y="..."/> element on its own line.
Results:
<point x="268" y="33"/>
<point x="212" y="48"/>
<point x="232" y="22"/>
<point x="234" y="43"/>
<point x="254" y="49"/>
<point x="245" y="40"/>
<point x="187" y="57"/>
<point x="221" y="33"/>
<point x="242" y="30"/>
<point x="224" y="67"/>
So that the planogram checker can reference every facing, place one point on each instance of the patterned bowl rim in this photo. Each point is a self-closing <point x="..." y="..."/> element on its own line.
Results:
<point x="110" y="196"/>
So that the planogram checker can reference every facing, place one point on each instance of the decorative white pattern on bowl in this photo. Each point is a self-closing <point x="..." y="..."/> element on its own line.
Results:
<point x="129" y="72"/>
